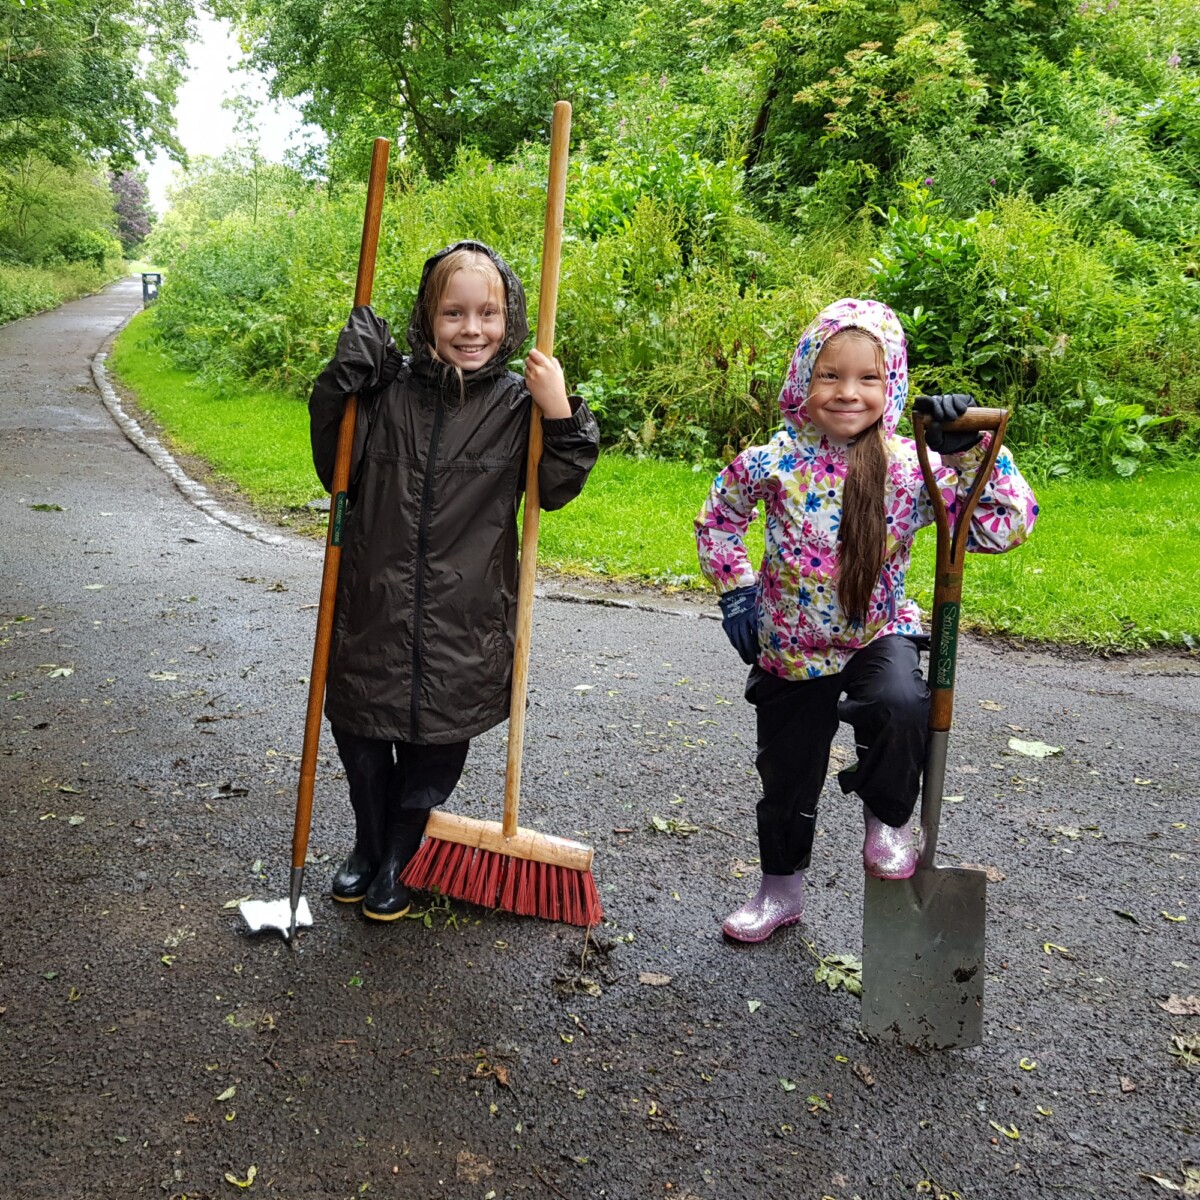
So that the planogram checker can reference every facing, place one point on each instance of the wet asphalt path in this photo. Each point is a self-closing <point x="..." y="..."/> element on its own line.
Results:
<point x="151" y="710"/>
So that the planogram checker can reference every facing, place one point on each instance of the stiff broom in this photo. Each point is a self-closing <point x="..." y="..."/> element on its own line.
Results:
<point x="496" y="864"/>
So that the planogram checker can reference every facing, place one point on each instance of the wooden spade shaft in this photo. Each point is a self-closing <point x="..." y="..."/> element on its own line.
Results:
<point x="947" y="599"/>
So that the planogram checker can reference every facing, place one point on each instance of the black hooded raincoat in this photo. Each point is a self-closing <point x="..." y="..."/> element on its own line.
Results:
<point x="424" y="626"/>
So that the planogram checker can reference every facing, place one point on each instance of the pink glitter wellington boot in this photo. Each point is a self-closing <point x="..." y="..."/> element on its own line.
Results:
<point x="891" y="852"/>
<point x="779" y="902"/>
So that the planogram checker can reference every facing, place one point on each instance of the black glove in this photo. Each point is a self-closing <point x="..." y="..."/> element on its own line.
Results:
<point x="362" y="348"/>
<point x="946" y="408"/>
<point x="739" y="619"/>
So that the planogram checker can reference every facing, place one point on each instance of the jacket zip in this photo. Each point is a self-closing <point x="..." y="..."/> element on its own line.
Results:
<point x="419" y="589"/>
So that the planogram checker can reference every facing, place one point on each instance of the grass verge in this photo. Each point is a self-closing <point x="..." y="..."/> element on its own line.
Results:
<point x="1111" y="566"/>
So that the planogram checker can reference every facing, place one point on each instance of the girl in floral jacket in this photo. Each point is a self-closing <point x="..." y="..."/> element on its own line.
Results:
<point x="826" y="626"/>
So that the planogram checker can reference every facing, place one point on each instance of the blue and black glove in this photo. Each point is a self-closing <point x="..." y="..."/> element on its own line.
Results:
<point x="941" y="409"/>
<point x="739" y="619"/>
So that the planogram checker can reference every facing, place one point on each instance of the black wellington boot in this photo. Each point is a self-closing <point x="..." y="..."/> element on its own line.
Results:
<point x="387" y="899"/>
<point x="354" y="876"/>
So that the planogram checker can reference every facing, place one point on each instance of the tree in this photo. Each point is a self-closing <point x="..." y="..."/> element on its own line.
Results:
<point x="90" y="78"/>
<point x="434" y="74"/>
<point x="130" y="200"/>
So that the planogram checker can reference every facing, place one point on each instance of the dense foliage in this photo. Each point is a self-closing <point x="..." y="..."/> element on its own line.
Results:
<point x="84" y="86"/>
<point x="1017" y="177"/>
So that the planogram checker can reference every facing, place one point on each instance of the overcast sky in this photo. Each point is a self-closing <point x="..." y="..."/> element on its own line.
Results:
<point x="205" y="127"/>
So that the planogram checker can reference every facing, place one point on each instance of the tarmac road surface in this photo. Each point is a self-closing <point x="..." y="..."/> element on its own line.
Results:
<point x="151" y="713"/>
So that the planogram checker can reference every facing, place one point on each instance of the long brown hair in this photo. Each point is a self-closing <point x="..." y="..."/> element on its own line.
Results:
<point x="438" y="284"/>
<point x="864" y="522"/>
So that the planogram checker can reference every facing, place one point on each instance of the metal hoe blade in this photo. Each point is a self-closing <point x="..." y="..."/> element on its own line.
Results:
<point x="275" y="914"/>
<point x="923" y="958"/>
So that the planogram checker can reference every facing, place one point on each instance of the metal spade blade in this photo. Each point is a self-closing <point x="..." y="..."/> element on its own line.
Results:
<point x="923" y="958"/>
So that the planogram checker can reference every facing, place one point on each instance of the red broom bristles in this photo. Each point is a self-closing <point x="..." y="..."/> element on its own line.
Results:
<point x="502" y="881"/>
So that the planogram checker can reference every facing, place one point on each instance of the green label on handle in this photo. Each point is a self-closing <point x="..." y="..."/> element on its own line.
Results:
<point x="339" y="519"/>
<point x="945" y="646"/>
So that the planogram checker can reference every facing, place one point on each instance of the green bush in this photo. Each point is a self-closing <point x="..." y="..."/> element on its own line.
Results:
<point x="88" y="246"/>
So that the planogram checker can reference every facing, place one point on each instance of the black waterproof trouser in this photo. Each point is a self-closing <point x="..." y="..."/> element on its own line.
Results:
<point x="395" y="784"/>
<point x="886" y="700"/>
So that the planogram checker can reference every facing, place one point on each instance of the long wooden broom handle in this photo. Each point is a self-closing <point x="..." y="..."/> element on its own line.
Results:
<point x="556" y="193"/>
<point x="376" y="184"/>
<point x="951" y="550"/>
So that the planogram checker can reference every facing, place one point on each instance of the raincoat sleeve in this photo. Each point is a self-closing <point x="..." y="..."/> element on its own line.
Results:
<point x="721" y="526"/>
<point x="1007" y="509"/>
<point x="570" y="447"/>
<point x="366" y="359"/>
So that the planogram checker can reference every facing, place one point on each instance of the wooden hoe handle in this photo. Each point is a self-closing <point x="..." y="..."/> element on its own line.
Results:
<point x="376" y="185"/>
<point x="560" y="136"/>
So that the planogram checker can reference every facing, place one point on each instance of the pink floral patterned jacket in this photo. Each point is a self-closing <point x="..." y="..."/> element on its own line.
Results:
<point x="798" y="476"/>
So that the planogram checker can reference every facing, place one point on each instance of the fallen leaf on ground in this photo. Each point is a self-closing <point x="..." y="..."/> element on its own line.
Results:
<point x="227" y="1094"/>
<point x="994" y="874"/>
<point x="1190" y="1185"/>
<point x="1186" y="1048"/>
<point x="1181" y="1006"/>
<point x="864" y="1073"/>
<point x="787" y="1085"/>
<point x="472" y="1168"/>
<point x="1009" y="1131"/>
<point x="653" y="978"/>
<point x="1170" y="917"/>
<point x="840" y="970"/>
<point x="1033" y="749"/>
<point x="991" y="706"/>
<point x="754" y="1005"/>
<point x="162" y="677"/>
<point x="1051" y="947"/>
<point x="251" y="1172"/>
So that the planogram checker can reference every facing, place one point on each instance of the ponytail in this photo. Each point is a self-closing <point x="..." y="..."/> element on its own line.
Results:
<point x="864" y="525"/>
<point x="863" y="545"/>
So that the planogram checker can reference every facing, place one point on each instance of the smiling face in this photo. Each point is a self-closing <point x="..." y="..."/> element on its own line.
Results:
<point x="848" y="390"/>
<point x="468" y="322"/>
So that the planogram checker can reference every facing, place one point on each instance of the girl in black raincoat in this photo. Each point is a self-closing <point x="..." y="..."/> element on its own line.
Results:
<point x="423" y="634"/>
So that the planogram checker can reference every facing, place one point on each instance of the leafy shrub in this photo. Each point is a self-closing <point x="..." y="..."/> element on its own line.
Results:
<point x="88" y="246"/>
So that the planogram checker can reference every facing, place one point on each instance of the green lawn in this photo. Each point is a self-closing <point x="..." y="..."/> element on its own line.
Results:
<point x="1113" y="563"/>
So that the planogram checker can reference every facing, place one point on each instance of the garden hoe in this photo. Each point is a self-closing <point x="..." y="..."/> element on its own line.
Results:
<point x="923" y="938"/>
<point x="292" y="911"/>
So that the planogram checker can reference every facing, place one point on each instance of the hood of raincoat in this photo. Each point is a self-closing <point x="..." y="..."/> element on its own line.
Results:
<point x="882" y="324"/>
<point x="516" y="328"/>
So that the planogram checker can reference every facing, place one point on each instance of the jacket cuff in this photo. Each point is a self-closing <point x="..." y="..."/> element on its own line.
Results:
<point x="580" y="418"/>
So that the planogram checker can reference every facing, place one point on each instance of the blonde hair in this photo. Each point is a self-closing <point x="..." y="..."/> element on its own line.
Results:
<point x="475" y="262"/>
<point x="864" y="521"/>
